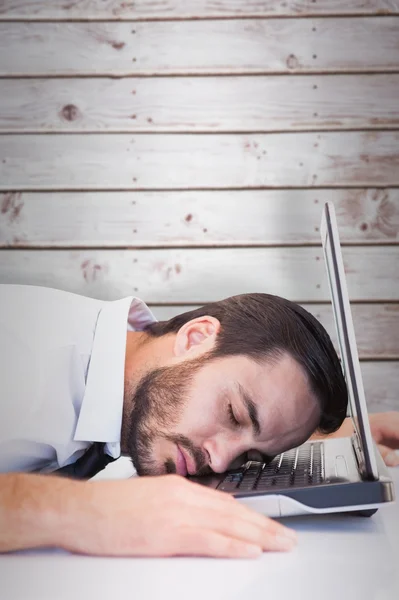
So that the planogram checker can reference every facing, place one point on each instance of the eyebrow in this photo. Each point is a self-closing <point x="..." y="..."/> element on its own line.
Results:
<point x="252" y="410"/>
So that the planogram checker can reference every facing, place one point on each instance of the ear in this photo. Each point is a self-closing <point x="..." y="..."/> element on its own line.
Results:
<point x="196" y="337"/>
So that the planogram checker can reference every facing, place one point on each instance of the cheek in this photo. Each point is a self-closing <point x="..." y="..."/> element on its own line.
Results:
<point x="200" y="417"/>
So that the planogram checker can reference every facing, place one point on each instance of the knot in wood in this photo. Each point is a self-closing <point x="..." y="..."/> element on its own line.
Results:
<point x="70" y="112"/>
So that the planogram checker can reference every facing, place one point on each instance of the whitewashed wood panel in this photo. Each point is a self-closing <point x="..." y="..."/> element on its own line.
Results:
<point x="376" y="326"/>
<point x="181" y="276"/>
<point x="173" y="161"/>
<point x="183" y="9"/>
<point x="239" y="103"/>
<point x="218" y="46"/>
<point x="201" y="218"/>
<point x="381" y="385"/>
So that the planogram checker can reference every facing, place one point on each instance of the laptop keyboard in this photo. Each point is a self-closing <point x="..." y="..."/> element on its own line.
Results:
<point x="299" y="467"/>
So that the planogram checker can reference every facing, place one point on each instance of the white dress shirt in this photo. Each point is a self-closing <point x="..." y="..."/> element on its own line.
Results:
<point x="62" y="362"/>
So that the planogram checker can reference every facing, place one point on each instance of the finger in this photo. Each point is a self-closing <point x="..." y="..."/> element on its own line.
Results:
<point x="268" y="538"/>
<point x="236" y="509"/>
<point x="390" y="457"/>
<point x="201" y="542"/>
<point x="242" y="523"/>
<point x="266" y="523"/>
<point x="228" y="505"/>
<point x="385" y="428"/>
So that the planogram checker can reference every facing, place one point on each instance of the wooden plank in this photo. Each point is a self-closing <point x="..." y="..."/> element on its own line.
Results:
<point x="381" y="385"/>
<point x="188" y="9"/>
<point x="202" y="218"/>
<point x="183" y="47"/>
<point x="181" y="276"/>
<point x="376" y="326"/>
<point x="173" y="161"/>
<point x="259" y="104"/>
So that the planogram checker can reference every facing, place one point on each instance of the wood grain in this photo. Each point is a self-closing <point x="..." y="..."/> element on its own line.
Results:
<point x="203" y="218"/>
<point x="376" y="325"/>
<point x="213" y="104"/>
<point x="183" y="47"/>
<point x="179" y="276"/>
<point x="173" y="161"/>
<point x="381" y="385"/>
<point x="212" y="133"/>
<point x="183" y="9"/>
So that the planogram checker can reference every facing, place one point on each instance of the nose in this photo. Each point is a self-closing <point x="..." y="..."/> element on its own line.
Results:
<point x="221" y="453"/>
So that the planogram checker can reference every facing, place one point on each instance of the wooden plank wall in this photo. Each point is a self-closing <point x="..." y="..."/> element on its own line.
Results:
<point x="182" y="151"/>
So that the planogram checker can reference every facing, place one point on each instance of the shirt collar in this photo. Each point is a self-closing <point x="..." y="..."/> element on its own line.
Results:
<point x="100" y="418"/>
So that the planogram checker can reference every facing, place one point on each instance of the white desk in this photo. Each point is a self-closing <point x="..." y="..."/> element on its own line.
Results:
<point x="338" y="557"/>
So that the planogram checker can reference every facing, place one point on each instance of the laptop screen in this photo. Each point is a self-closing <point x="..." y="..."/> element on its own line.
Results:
<point x="347" y="341"/>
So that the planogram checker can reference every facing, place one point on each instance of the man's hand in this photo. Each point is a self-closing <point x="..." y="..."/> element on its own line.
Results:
<point x="385" y="430"/>
<point x="166" y="516"/>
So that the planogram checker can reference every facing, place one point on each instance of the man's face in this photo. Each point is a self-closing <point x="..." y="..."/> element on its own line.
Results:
<point x="200" y="415"/>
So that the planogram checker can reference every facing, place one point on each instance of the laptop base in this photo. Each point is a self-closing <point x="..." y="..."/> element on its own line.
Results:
<point x="341" y="488"/>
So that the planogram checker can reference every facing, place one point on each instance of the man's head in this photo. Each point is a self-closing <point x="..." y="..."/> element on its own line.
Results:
<point x="251" y="372"/>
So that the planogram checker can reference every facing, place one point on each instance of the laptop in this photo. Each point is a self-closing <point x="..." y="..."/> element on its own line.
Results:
<point x="329" y="475"/>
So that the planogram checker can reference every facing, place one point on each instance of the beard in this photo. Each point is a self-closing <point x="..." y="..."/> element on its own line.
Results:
<point x="158" y="403"/>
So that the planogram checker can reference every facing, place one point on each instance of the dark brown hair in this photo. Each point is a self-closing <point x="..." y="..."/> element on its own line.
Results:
<point x="263" y="326"/>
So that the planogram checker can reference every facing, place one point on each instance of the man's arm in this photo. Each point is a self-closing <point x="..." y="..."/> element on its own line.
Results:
<point x="30" y="509"/>
<point x="385" y="431"/>
<point x="146" y="516"/>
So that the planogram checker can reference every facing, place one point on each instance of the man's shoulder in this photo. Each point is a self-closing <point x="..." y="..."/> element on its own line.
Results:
<point x="46" y="316"/>
<point x="11" y="290"/>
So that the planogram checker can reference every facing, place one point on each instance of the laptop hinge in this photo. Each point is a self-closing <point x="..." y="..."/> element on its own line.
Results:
<point x="358" y="453"/>
<point x="357" y="448"/>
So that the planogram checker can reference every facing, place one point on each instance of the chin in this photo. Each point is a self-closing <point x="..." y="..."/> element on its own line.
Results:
<point x="154" y="458"/>
<point x="150" y="471"/>
<point x="154" y="468"/>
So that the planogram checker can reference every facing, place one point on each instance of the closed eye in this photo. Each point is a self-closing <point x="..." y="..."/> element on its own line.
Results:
<point x="232" y="417"/>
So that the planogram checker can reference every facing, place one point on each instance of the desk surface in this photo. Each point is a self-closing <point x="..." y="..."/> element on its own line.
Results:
<point x="337" y="556"/>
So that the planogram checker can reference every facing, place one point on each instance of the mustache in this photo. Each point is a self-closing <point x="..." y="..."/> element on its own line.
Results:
<point x="200" y="461"/>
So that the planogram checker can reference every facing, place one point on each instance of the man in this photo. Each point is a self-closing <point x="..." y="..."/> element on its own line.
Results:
<point x="249" y="373"/>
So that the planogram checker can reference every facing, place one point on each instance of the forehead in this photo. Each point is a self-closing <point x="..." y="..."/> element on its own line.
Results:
<point x="287" y="410"/>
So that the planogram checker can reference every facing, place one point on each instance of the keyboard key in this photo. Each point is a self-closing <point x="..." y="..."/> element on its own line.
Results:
<point x="227" y="486"/>
<point x="295" y="468"/>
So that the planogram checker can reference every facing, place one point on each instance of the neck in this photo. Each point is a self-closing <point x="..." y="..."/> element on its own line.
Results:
<point x="135" y="340"/>
<point x="143" y="354"/>
<point x="135" y="364"/>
